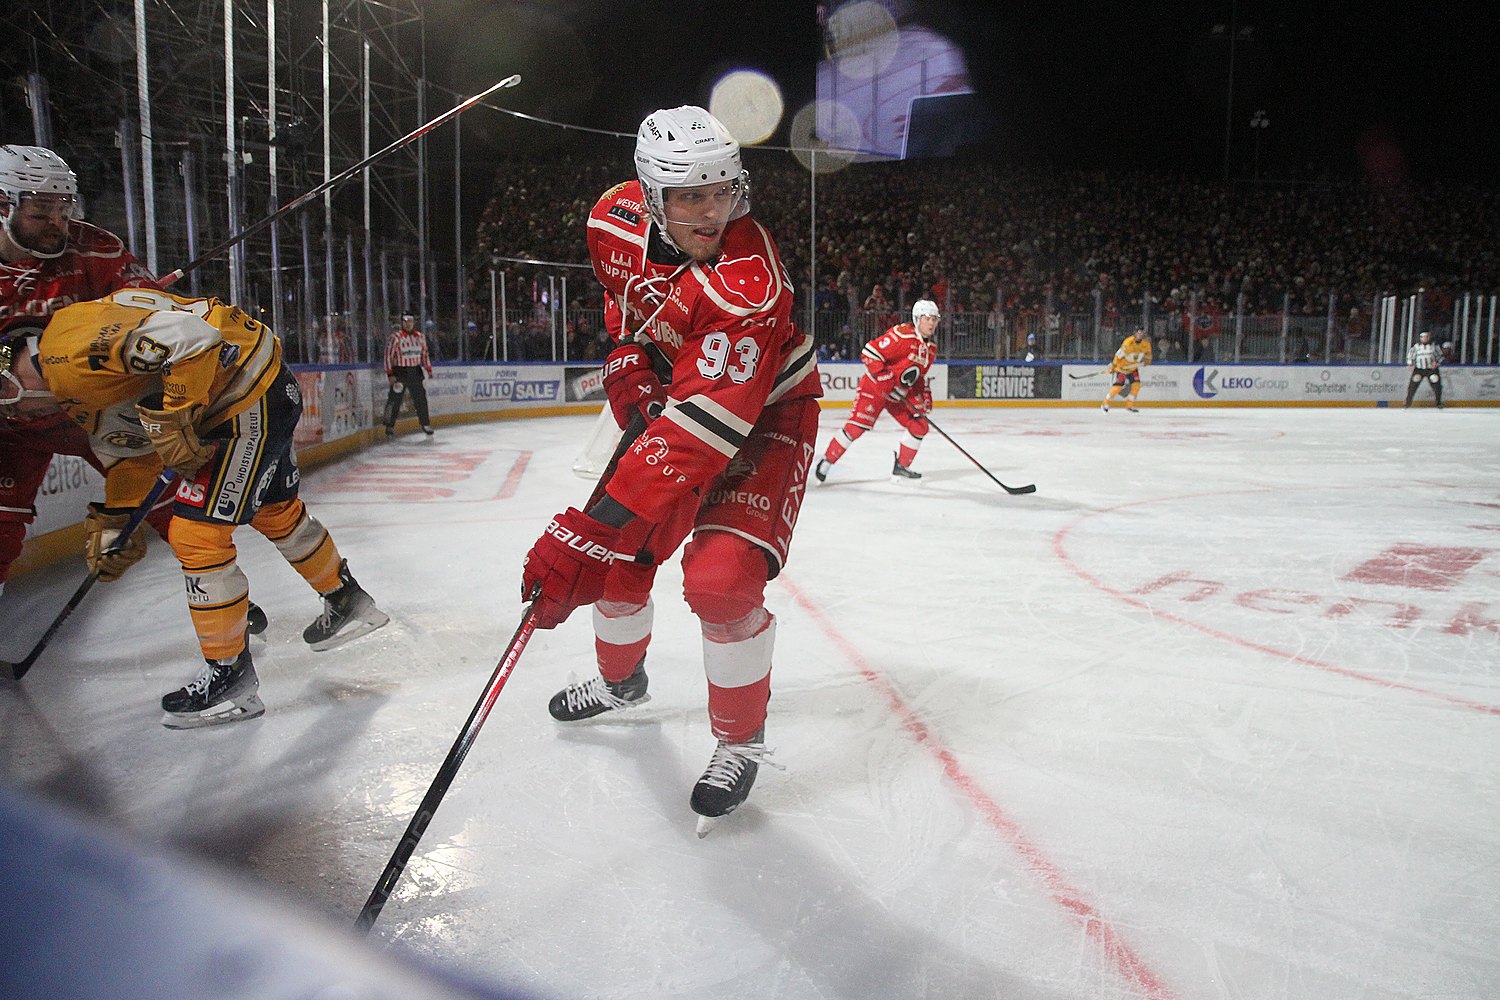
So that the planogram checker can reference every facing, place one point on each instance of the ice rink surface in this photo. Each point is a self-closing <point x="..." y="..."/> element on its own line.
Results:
<point x="1215" y="713"/>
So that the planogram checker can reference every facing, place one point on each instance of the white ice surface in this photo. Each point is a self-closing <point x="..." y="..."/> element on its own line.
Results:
<point x="1213" y="714"/>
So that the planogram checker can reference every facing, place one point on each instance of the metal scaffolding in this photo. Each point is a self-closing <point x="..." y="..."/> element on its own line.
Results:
<point x="189" y="121"/>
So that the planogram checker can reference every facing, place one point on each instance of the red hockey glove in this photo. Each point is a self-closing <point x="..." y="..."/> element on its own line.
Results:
<point x="566" y="567"/>
<point x="632" y="385"/>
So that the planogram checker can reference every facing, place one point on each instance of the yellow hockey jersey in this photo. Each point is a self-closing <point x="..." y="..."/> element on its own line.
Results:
<point x="1134" y="353"/>
<point x="103" y="356"/>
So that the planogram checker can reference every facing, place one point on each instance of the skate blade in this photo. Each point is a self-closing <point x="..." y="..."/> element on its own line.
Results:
<point x="706" y="825"/>
<point x="376" y="620"/>
<point x="247" y="707"/>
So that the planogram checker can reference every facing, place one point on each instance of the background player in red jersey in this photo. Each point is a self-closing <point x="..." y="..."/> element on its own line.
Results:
<point x="49" y="259"/>
<point x="731" y="425"/>
<point x="896" y="383"/>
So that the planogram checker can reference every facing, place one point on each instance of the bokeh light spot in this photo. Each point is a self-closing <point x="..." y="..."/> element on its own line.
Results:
<point x="749" y="104"/>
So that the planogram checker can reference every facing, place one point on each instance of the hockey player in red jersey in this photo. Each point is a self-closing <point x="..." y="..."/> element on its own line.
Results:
<point x="49" y="259"/>
<point x="696" y="286"/>
<point x="896" y="383"/>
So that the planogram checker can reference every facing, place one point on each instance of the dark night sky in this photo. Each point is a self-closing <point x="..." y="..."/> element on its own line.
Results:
<point x="1065" y="83"/>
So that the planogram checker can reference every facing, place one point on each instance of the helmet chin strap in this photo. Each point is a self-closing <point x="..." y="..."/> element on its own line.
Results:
<point x="12" y="389"/>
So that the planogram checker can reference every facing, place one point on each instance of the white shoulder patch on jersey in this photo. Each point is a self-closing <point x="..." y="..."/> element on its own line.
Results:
<point x="169" y="337"/>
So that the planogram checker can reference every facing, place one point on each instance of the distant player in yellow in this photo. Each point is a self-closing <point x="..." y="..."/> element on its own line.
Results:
<point x="1133" y="355"/>
<point x="198" y="386"/>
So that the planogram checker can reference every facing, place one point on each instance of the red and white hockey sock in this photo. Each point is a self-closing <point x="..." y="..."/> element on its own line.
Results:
<point x="621" y="634"/>
<point x="737" y="662"/>
<point x="906" y="451"/>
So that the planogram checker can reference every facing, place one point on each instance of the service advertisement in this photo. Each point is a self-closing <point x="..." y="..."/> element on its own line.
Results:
<point x="1004" y="381"/>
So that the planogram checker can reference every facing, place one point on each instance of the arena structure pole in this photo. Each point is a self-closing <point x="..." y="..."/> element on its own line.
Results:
<point x="335" y="180"/>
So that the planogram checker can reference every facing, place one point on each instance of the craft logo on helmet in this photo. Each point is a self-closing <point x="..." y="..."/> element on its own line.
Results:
<point x="1203" y="383"/>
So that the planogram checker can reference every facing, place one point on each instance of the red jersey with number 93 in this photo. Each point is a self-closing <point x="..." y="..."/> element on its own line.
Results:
<point x="726" y="329"/>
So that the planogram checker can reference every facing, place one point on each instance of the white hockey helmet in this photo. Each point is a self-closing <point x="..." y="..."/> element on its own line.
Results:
<point x="924" y="307"/>
<point x="685" y="147"/>
<point x="26" y="171"/>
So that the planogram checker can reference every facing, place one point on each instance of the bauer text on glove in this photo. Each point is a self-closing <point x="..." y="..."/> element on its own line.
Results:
<point x="175" y="439"/>
<point x="566" y="567"/>
<point x="632" y="385"/>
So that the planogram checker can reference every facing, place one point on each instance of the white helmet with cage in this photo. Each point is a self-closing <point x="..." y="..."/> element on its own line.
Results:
<point x="32" y="171"/>
<point x="686" y="147"/>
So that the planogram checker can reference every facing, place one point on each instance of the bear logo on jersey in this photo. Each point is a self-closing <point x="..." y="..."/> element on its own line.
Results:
<point x="747" y="279"/>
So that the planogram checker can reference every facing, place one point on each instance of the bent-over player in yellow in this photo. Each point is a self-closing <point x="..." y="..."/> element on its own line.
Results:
<point x="199" y="386"/>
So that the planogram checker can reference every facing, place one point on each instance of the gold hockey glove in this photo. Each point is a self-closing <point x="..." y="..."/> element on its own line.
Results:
<point x="102" y="527"/>
<point x="175" y="439"/>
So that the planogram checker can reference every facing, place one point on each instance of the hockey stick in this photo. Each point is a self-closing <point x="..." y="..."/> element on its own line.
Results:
<point x="337" y="179"/>
<point x="1102" y="371"/>
<point x="18" y="670"/>
<point x="1012" y="490"/>
<point x="445" y="775"/>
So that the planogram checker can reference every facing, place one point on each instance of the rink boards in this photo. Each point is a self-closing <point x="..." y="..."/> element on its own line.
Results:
<point x="341" y="404"/>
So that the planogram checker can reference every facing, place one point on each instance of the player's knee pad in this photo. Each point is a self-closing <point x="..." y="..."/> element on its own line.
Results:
<point x="723" y="576"/>
<point x="289" y="526"/>
<point x="201" y="546"/>
<point x="302" y="541"/>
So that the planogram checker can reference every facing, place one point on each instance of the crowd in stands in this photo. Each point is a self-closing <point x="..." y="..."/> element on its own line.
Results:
<point x="979" y="238"/>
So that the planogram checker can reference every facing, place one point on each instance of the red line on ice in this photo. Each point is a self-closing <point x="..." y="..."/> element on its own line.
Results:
<point x="1063" y="893"/>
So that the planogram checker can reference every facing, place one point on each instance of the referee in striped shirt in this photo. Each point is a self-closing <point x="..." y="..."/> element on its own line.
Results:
<point x="1424" y="357"/>
<point x="405" y="362"/>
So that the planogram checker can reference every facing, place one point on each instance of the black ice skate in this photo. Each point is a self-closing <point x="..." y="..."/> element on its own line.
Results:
<point x="220" y="693"/>
<point x="257" y="619"/>
<point x="348" y="613"/>
<point x="821" y="472"/>
<point x="899" y="471"/>
<point x="596" y="696"/>
<point x="727" y="780"/>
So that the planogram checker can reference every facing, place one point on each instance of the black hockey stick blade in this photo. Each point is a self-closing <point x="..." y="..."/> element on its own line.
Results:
<point x="1101" y="371"/>
<point x="19" y="670"/>
<point x="445" y="775"/>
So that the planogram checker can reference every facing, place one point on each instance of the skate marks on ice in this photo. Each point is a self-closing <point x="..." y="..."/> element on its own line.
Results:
<point x="772" y="913"/>
<point x="1114" y="957"/>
